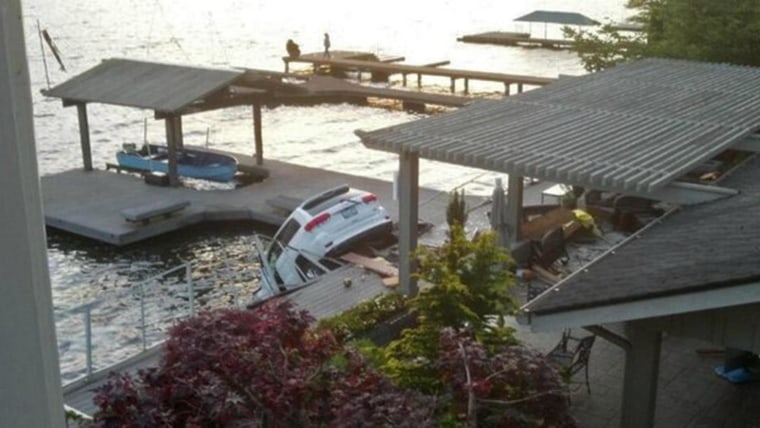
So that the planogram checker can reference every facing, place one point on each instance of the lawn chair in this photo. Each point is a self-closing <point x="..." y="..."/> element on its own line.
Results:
<point x="571" y="355"/>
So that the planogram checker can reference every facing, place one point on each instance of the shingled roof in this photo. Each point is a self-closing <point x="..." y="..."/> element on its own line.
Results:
<point x="713" y="246"/>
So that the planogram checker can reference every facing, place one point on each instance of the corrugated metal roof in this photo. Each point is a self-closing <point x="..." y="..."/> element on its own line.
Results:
<point x="555" y="17"/>
<point x="633" y="128"/>
<point x="161" y="87"/>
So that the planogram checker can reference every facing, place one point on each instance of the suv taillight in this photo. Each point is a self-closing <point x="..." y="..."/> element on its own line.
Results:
<point x="316" y="221"/>
<point x="369" y="197"/>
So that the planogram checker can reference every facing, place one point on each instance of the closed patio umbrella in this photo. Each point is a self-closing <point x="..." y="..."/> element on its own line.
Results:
<point x="499" y="214"/>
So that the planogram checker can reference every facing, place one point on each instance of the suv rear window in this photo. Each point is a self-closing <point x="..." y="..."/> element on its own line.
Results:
<point x="288" y="231"/>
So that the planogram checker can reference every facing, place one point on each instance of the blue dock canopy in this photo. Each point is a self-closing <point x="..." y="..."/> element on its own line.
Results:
<point x="555" y="17"/>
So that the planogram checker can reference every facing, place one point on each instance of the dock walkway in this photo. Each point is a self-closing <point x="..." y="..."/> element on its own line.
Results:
<point x="337" y="62"/>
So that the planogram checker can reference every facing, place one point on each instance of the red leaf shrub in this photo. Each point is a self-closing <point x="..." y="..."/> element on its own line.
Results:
<point x="263" y="367"/>
<point x="514" y="387"/>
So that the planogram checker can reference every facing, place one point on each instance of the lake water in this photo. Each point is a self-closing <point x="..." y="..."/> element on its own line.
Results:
<point x="238" y="33"/>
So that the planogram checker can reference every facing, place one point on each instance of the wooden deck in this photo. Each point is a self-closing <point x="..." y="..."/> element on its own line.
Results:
<point x="325" y="298"/>
<point x="340" y="63"/>
<point x="515" y="39"/>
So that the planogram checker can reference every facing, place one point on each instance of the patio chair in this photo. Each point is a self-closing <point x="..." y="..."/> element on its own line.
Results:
<point x="551" y="248"/>
<point x="571" y="355"/>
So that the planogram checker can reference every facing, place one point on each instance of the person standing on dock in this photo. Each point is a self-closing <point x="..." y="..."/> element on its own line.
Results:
<point x="326" y="42"/>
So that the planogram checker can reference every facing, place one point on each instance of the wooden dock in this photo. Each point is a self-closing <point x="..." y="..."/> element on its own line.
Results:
<point x="331" y="89"/>
<point x="336" y="63"/>
<point x="90" y="203"/>
<point x="515" y="39"/>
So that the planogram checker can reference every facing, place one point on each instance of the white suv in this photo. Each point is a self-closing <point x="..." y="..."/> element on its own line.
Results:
<point x="320" y="229"/>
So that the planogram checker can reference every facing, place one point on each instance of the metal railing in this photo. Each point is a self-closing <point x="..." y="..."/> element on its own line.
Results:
<point x="139" y="291"/>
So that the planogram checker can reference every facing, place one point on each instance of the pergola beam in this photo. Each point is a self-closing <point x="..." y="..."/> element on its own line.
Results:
<point x="749" y="144"/>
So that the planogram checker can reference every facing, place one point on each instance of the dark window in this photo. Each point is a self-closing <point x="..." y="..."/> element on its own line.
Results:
<point x="307" y="268"/>
<point x="287" y="232"/>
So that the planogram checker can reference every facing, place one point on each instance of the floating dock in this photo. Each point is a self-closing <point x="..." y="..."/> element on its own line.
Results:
<point x="93" y="203"/>
<point x="516" y="39"/>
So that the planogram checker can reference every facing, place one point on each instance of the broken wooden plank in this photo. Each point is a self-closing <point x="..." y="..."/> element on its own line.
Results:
<point x="545" y="274"/>
<point x="391" y="282"/>
<point x="378" y="265"/>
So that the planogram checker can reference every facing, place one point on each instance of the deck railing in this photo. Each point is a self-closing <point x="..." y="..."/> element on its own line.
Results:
<point x="158" y="301"/>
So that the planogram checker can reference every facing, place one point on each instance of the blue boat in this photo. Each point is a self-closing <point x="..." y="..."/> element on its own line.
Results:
<point x="190" y="163"/>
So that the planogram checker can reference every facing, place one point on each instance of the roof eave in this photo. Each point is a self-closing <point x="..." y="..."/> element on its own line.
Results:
<point x="646" y="308"/>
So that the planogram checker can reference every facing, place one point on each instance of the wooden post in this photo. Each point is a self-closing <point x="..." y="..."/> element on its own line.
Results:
<point x="178" y="134"/>
<point x="84" y="136"/>
<point x="287" y="64"/>
<point x="30" y="394"/>
<point x="466" y="86"/>
<point x="419" y="80"/>
<point x="171" y="144"/>
<point x="408" y="204"/>
<point x="519" y="88"/>
<point x="506" y="88"/>
<point x="453" y="84"/>
<point x="403" y="78"/>
<point x="258" y="140"/>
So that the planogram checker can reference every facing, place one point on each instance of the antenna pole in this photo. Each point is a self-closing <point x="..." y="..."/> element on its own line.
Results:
<point x="42" y="50"/>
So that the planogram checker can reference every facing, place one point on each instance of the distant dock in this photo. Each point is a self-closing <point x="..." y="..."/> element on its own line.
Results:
<point x="381" y="68"/>
<point x="516" y="39"/>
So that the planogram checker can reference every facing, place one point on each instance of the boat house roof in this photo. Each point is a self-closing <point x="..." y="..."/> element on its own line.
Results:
<point x="633" y="129"/>
<point x="556" y="17"/>
<point x="165" y="88"/>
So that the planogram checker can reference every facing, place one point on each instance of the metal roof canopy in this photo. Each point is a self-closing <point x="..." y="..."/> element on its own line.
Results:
<point x="165" y="88"/>
<point x="556" y="17"/>
<point x="632" y="129"/>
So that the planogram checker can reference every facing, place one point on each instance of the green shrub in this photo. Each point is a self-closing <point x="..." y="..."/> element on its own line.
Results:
<point x="456" y="211"/>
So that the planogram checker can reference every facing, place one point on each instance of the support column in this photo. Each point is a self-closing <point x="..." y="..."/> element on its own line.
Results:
<point x="178" y="134"/>
<point x="30" y="385"/>
<point x="171" y="144"/>
<point x="258" y="140"/>
<point x="408" y="207"/>
<point x="84" y="136"/>
<point x="466" y="86"/>
<point x="642" y="364"/>
<point x="514" y="207"/>
<point x="453" y="85"/>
